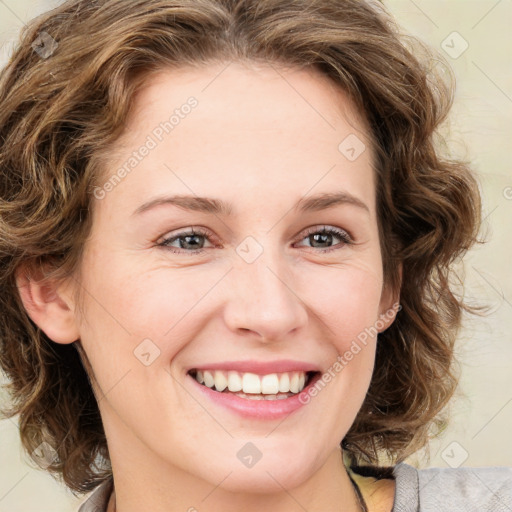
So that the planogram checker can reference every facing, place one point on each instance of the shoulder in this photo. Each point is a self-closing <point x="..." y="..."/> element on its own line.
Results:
<point x="483" y="489"/>
<point x="98" y="499"/>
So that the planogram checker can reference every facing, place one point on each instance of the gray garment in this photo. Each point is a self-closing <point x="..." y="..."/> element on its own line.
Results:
<point x="424" y="490"/>
<point x="465" y="489"/>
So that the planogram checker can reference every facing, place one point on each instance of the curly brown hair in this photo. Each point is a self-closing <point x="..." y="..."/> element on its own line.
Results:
<point x="60" y="114"/>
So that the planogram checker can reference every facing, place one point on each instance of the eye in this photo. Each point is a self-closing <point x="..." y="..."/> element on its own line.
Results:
<point x="325" y="236"/>
<point x="188" y="242"/>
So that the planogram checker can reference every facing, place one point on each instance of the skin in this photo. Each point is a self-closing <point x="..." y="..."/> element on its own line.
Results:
<point x="261" y="138"/>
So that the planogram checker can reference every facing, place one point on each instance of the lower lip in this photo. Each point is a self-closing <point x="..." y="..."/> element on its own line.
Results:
<point x="258" y="409"/>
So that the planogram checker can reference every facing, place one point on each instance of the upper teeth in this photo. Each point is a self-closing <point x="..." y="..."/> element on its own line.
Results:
<point x="270" y="384"/>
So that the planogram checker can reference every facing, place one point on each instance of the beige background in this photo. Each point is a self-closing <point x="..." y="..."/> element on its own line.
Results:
<point x="481" y="131"/>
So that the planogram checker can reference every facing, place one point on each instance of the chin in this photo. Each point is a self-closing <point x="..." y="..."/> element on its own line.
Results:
<point x="264" y="477"/>
<point x="261" y="482"/>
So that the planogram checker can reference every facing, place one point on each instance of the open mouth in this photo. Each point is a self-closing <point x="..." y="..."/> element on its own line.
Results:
<point x="274" y="386"/>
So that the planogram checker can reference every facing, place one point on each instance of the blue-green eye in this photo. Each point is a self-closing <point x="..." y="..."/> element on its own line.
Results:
<point x="325" y="235"/>
<point x="192" y="242"/>
<point x="189" y="241"/>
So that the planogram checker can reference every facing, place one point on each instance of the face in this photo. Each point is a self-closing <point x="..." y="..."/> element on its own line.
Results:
<point x="260" y="283"/>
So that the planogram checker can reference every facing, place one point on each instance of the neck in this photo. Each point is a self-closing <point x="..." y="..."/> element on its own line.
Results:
<point x="159" y="478"/>
<point x="329" y="488"/>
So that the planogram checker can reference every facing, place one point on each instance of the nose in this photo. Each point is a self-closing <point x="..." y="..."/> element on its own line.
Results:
<point x="264" y="300"/>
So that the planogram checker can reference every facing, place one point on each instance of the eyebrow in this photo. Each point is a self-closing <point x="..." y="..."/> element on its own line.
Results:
<point x="315" y="203"/>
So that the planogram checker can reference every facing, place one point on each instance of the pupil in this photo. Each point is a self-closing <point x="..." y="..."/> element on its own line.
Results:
<point x="187" y="241"/>
<point x="323" y="235"/>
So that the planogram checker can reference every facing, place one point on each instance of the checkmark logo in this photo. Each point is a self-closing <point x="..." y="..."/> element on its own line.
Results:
<point x="249" y="250"/>
<point x="454" y="45"/>
<point x="44" y="45"/>
<point x="454" y="454"/>
<point x="146" y="352"/>
<point x="249" y="455"/>
<point x="352" y="147"/>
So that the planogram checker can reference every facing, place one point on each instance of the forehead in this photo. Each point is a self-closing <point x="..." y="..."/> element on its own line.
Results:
<point x="267" y="91"/>
<point x="254" y="128"/>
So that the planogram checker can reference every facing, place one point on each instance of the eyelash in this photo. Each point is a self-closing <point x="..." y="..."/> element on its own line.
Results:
<point x="343" y="235"/>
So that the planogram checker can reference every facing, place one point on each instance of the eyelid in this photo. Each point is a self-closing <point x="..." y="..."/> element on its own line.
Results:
<point x="341" y="233"/>
<point x="327" y="229"/>
<point x="187" y="231"/>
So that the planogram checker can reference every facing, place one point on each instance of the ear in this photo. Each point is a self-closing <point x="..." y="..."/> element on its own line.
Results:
<point x="389" y="304"/>
<point x="48" y="306"/>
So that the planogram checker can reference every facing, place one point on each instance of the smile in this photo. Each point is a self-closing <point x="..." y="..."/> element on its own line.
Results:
<point x="267" y="396"/>
<point x="274" y="386"/>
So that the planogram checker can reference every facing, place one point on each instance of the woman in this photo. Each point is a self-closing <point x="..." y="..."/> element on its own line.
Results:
<point x="174" y="336"/>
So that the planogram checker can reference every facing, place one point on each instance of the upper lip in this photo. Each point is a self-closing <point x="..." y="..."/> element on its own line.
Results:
<point x="260" y="367"/>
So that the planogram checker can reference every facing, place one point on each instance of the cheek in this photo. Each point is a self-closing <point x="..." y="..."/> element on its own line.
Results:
<point x="138" y="319"/>
<point x="126" y="298"/>
<point x="348" y="299"/>
<point x="347" y="302"/>
<point x="122" y="320"/>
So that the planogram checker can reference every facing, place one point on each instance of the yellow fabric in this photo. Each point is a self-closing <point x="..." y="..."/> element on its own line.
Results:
<point x="378" y="494"/>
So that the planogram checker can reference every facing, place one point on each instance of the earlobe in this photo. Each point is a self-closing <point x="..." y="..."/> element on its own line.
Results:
<point x="47" y="307"/>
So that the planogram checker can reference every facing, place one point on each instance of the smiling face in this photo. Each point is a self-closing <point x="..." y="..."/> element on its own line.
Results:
<point x="258" y="281"/>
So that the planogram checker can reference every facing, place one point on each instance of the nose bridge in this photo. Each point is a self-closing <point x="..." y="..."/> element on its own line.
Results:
<point x="263" y="298"/>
